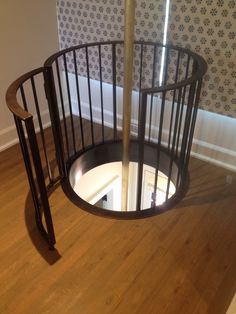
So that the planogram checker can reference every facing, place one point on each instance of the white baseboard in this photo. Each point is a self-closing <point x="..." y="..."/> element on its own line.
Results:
<point x="214" y="140"/>
<point x="9" y="137"/>
<point x="215" y="154"/>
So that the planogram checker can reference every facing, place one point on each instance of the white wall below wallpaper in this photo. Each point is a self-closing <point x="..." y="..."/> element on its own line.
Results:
<point x="214" y="139"/>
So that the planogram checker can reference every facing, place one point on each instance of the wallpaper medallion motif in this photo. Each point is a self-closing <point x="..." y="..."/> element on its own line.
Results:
<point x="208" y="27"/>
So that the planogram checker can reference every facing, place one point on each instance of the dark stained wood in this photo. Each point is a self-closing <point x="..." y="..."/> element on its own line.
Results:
<point x="182" y="261"/>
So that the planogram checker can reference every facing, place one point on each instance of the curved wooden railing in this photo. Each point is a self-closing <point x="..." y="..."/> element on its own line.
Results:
<point x="50" y="96"/>
<point x="33" y="146"/>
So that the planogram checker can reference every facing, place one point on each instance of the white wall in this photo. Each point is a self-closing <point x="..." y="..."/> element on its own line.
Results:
<point x="100" y="181"/>
<point x="28" y="34"/>
<point x="214" y="137"/>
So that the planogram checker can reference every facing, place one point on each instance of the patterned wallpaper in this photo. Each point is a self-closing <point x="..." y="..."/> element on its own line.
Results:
<point x="208" y="27"/>
<point x="83" y="21"/>
<point x="205" y="26"/>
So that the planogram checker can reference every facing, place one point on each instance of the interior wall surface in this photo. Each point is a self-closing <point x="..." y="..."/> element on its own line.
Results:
<point x="29" y="35"/>
<point x="28" y="32"/>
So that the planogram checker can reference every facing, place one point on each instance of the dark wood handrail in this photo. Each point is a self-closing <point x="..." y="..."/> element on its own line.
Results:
<point x="22" y="114"/>
<point x="11" y="93"/>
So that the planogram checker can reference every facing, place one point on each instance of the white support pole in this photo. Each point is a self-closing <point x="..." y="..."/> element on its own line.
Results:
<point x="127" y="97"/>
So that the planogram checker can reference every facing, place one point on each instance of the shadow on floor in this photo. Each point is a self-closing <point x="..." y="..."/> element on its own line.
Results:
<point x="207" y="193"/>
<point x="50" y="256"/>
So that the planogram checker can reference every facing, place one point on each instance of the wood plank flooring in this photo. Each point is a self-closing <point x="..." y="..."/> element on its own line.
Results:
<point x="183" y="261"/>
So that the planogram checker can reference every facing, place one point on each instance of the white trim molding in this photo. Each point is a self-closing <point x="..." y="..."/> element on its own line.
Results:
<point x="9" y="137"/>
<point x="214" y="137"/>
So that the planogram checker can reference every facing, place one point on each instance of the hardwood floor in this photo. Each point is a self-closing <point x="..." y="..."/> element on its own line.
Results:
<point x="183" y="261"/>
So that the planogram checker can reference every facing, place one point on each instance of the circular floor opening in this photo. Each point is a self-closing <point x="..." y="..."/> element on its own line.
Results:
<point x="102" y="186"/>
<point x="95" y="181"/>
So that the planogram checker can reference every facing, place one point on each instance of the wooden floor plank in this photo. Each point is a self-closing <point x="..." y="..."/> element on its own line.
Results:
<point x="183" y="261"/>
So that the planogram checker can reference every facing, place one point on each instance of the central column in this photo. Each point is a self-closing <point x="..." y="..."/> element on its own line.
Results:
<point x="127" y="96"/>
